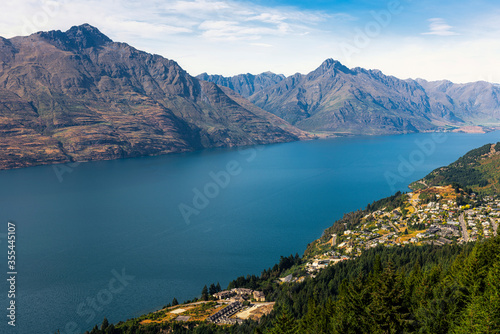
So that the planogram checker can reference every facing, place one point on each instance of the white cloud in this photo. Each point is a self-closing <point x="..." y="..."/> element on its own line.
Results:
<point x="219" y="19"/>
<point x="233" y="36"/>
<point x="202" y="35"/>
<point x="233" y="30"/>
<point x="439" y="27"/>
<point x="267" y="17"/>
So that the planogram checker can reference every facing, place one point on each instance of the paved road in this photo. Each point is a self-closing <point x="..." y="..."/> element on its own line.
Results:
<point x="334" y="240"/>
<point x="465" y="234"/>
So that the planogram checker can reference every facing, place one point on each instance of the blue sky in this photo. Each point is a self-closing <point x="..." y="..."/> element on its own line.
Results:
<point x="456" y="40"/>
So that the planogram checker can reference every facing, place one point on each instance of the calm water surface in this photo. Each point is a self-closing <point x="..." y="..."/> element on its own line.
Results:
<point x="80" y="229"/>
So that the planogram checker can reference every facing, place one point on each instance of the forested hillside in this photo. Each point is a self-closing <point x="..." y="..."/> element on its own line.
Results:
<point x="405" y="290"/>
<point x="478" y="170"/>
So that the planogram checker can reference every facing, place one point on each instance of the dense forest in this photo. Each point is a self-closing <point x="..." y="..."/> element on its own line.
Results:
<point x="400" y="290"/>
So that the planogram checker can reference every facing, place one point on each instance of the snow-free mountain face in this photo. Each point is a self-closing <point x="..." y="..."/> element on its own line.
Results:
<point x="77" y="95"/>
<point x="245" y="84"/>
<point x="336" y="98"/>
<point x="476" y="102"/>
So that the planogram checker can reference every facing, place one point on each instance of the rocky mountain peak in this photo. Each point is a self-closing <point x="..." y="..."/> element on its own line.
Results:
<point x="77" y="37"/>
<point x="87" y="34"/>
<point x="328" y="66"/>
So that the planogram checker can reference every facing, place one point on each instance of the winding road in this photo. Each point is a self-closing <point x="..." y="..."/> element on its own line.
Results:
<point x="465" y="234"/>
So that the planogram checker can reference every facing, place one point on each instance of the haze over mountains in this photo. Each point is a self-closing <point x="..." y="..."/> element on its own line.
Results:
<point x="334" y="98"/>
<point x="77" y="95"/>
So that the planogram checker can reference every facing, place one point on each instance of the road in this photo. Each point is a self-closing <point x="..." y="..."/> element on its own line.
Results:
<point x="334" y="240"/>
<point x="394" y="227"/>
<point x="465" y="234"/>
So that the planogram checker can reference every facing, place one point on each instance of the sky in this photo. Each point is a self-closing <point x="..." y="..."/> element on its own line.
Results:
<point x="456" y="40"/>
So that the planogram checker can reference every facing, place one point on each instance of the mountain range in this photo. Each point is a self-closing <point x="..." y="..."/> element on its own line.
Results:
<point x="78" y="96"/>
<point x="334" y="98"/>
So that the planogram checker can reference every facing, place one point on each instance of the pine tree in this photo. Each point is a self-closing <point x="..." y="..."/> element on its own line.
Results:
<point x="285" y="324"/>
<point x="377" y="265"/>
<point x="105" y="324"/>
<point x="175" y="302"/>
<point x="219" y="289"/>
<point x="94" y="330"/>
<point x="204" y="293"/>
<point x="212" y="290"/>
<point x="413" y="283"/>
<point x="350" y="310"/>
<point x="317" y="319"/>
<point x="387" y="306"/>
<point x="309" y="321"/>
<point x="483" y="312"/>
<point x="111" y="329"/>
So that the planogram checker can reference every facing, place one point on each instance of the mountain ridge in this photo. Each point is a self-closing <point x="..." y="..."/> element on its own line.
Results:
<point x="334" y="98"/>
<point x="244" y="84"/>
<point x="79" y="96"/>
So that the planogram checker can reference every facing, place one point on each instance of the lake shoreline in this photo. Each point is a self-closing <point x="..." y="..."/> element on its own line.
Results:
<point x="317" y="136"/>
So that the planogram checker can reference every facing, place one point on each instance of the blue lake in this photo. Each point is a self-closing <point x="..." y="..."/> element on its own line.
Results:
<point x="122" y="238"/>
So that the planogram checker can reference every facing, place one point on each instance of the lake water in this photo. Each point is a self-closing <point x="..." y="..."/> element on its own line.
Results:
<point x="109" y="239"/>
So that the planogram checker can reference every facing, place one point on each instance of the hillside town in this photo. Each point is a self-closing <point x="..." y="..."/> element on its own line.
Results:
<point x="437" y="215"/>
<point x="430" y="216"/>
<point x="238" y="298"/>
<point x="226" y="307"/>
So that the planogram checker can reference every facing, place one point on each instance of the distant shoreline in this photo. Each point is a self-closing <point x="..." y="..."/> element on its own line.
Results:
<point x="317" y="136"/>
